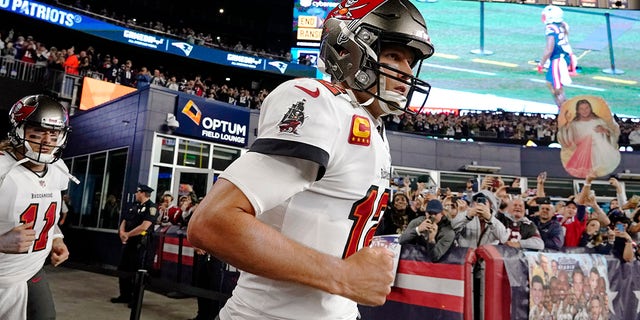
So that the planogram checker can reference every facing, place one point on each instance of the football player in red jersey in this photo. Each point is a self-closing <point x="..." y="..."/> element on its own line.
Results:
<point x="31" y="182"/>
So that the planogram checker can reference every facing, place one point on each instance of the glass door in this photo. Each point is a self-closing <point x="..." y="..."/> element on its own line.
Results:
<point x="198" y="180"/>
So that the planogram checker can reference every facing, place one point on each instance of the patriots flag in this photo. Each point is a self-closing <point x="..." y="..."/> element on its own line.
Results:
<point x="425" y="289"/>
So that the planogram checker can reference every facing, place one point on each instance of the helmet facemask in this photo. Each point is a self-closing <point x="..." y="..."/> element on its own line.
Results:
<point x="23" y="144"/>
<point x="392" y="102"/>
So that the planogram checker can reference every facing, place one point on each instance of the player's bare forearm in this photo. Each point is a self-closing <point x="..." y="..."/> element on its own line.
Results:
<point x="224" y="225"/>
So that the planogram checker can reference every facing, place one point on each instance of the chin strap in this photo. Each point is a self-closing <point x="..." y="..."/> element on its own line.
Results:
<point x="354" y="101"/>
<point x="55" y="165"/>
<point x="65" y="172"/>
<point x="384" y="100"/>
<point x="392" y="97"/>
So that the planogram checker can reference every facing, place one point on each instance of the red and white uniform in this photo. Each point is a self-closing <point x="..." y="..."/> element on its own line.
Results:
<point x="337" y="214"/>
<point x="27" y="198"/>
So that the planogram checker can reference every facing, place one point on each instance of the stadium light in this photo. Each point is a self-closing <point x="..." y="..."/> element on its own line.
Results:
<point x="480" y="169"/>
<point x="627" y="175"/>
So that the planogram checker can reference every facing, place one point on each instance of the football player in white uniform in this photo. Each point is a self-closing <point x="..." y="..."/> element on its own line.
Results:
<point x="297" y="212"/>
<point x="31" y="182"/>
<point x="557" y="53"/>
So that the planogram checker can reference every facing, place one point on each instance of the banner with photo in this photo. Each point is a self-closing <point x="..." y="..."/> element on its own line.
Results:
<point x="568" y="286"/>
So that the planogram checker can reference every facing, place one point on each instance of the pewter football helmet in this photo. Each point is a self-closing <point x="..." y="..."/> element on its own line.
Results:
<point x="352" y="36"/>
<point x="43" y="112"/>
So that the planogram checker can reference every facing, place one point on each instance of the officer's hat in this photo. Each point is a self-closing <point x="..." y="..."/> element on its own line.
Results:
<point x="144" y="188"/>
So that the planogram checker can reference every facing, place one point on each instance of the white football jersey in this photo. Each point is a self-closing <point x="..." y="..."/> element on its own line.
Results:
<point x="337" y="214"/>
<point x="29" y="198"/>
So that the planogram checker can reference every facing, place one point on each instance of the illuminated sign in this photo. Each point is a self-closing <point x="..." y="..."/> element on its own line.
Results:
<point x="142" y="39"/>
<point x="310" y="54"/>
<point x="212" y="120"/>
<point x="308" y="17"/>
<point x="96" y="92"/>
<point x="308" y="22"/>
<point x="309" y="34"/>
<point x="243" y="61"/>
<point x="41" y="12"/>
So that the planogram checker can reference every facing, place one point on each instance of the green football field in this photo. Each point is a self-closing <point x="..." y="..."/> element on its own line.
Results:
<point x="515" y="35"/>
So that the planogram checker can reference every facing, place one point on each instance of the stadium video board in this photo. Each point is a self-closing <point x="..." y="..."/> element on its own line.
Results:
<point x="308" y="17"/>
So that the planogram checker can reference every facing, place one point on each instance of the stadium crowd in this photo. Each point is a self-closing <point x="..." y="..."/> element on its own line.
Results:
<point x="497" y="212"/>
<point x="180" y="30"/>
<point x="497" y="126"/>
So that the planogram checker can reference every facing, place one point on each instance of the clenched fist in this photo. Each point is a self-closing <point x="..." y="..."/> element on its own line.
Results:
<point x="368" y="276"/>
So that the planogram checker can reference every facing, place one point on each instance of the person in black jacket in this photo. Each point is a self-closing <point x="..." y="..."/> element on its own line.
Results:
<point x="397" y="216"/>
<point x="135" y="232"/>
<point x="434" y="232"/>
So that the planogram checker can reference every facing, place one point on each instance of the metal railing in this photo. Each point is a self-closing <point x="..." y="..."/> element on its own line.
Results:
<point x="20" y="70"/>
<point x="65" y="86"/>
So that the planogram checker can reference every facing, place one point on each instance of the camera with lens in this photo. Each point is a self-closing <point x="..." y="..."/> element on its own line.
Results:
<point x="481" y="199"/>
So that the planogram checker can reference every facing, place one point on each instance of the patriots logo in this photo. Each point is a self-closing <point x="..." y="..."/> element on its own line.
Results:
<point x="185" y="47"/>
<point x="279" y="65"/>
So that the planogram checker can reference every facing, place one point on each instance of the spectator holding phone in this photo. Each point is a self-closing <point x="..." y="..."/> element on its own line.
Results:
<point x="478" y="224"/>
<point x="623" y="246"/>
<point x="432" y="231"/>
<point x="596" y="236"/>
<point x="452" y="205"/>
<point x="471" y="187"/>
<point x="491" y="183"/>
<point x="397" y="216"/>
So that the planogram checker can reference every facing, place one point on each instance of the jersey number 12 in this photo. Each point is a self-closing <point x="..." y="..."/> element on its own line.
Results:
<point x="364" y="210"/>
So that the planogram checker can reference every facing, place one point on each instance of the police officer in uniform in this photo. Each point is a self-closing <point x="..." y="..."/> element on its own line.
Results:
<point x="135" y="232"/>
